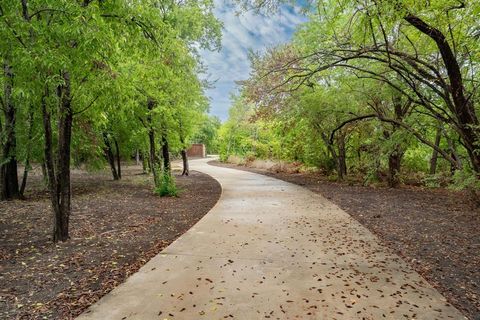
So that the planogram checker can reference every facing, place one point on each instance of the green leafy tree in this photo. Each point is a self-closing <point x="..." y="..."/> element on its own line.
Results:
<point x="99" y="80"/>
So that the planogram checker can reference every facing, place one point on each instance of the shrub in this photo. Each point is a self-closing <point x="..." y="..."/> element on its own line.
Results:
<point x="167" y="186"/>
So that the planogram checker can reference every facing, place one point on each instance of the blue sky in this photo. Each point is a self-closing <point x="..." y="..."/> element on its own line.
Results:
<point x="241" y="33"/>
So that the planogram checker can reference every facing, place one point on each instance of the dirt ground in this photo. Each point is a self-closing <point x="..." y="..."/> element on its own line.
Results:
<point x="116" y="227"/>
<point x="436" y="231"/>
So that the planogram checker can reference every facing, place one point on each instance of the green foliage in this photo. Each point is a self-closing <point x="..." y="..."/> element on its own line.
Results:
<point x="466" y="179"/>
<point x="242" y="136"/>
<point x="119" y="54"/>
<point x="365" y="82"/>
<point x="207" y="133"/>
<point x="167" y="187"/>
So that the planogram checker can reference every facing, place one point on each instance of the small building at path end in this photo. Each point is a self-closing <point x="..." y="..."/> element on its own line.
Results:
<point x="197" y="150"/>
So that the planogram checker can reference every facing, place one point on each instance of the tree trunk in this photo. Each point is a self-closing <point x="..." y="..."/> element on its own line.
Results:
<point x="151" y="140"/>
<point x="25" y="176"/>
<point x="457" y="165"/>
<point x="468" y="123"/>
<point x="152" y="153"/>
<point x="27" y="168"/>
<point x="166" y="155"/>
<point x="49" y="163"/>
<point x="186" y="169"/>
<point x="119" y="168"/>
<point x="145" y="164"/>
<point x="44" y="172"/>
<point x="27" y="156"/>
<point x="342" y="156"/>
<point x="434" y="158"/>
<point x="65" y="122"/>
<point x="394" y="167"/>
<point x="8" y="162"/>
<point x="395" y="156"/>
<point x="59" y="173"/>
<point x="331" y="151"/>
<point x="137" y="158"/>
<point x="109" y="155"/>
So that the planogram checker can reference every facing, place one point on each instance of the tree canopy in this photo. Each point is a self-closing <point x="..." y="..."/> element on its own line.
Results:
<point x="368" y="85"/>
<point x="92" y="82"/>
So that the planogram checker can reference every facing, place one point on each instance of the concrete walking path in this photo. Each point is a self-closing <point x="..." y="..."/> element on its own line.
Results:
<point x="273" y="250"/>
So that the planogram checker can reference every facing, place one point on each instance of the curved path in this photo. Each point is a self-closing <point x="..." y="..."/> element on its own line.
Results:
<point x="271" y="249"/>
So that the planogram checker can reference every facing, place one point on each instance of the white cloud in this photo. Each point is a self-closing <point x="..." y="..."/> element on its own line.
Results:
<point x="241" y="33"/>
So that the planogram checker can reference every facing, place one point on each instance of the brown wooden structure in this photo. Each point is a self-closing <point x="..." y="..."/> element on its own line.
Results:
<point x="197" y="150"/>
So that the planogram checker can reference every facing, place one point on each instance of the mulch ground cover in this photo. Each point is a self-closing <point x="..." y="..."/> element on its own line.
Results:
<point x="436" y="231"/>
<point x="116" y="227"/>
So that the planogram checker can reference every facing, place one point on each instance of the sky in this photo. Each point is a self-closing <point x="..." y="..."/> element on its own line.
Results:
<point x="240" y="34"/>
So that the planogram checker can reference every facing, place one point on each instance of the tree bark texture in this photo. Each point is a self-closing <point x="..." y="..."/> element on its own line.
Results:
<point x="153" y="158"/>
<point x="57" y="162"/>
<point x="394" y="167"/>
<point x="166" y="155"/>
<point x="342" y="156"/>
<point x="109" y="155"/>
<point x="28" y="153"/>
<point x="65" y="122"/>
<point x="8" y="161"/>
<point x="119" y="166"/>
<point x="186" y="168"/>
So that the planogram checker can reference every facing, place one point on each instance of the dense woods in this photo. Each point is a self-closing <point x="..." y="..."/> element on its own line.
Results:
<point x="91" y="83"/>
<point x="382" y="90"/>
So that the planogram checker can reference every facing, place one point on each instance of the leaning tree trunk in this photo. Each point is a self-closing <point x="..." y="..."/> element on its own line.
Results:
<point x="434" y="158"/>
<point x="8" y="163"/>
<point x="109" y="155"/>
<point x="464" y="109"/>
<point x="119" y="168"/>
<point x="28" y="152"/>
<point x="186" y="168"/>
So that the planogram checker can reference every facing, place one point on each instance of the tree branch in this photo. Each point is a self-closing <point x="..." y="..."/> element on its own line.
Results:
<point x="368" y="116"/>
<point x="87" y="107"/>
<point x="420" y="138"/>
